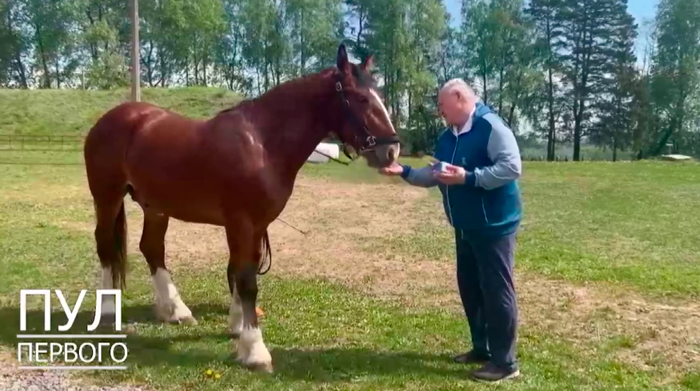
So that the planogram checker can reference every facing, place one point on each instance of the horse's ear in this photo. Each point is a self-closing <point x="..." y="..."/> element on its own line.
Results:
<point x="368" y="64"/>
<point x="342" y="62"/>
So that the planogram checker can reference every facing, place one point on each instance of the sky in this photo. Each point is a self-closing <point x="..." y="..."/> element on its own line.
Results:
<point x="642" y="10"/>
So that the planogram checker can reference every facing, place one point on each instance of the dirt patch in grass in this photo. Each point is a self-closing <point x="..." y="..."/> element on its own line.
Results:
<point x="13" y="378"/>
<point x="652" y="335"/>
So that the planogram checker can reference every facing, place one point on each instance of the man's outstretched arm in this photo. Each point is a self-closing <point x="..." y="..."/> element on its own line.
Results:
<point x="421" y="177"/>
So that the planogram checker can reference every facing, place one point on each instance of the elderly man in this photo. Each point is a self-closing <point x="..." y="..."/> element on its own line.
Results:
<point x="482" y="202"/>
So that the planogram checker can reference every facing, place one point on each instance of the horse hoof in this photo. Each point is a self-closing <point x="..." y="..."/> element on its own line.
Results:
<point x="188" y="321"/>
<point x="265" y="367"/>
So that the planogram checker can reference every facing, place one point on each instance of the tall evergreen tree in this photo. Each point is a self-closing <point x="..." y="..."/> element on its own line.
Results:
<point x="615" y="90"/>
<point x="549" y="33"/>
<point x="676" y="71"/>
<point x="587" y="26"/>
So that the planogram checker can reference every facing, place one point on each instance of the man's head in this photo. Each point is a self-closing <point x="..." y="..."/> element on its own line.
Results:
<point x="456" y="101"/>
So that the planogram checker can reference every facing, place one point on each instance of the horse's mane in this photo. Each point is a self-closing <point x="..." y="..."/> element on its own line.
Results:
<point x="289" y="84"/>
<point x="363" y="79"/>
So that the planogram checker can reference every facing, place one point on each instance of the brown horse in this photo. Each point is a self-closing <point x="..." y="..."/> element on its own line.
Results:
<point x="235" y="170"/>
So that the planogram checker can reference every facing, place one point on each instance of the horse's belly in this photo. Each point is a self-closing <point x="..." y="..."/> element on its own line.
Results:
<point x="181" y="200"/>
<point x="196" y="212"/>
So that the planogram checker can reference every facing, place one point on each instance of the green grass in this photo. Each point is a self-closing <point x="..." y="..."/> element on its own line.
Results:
<point x="321" y="335"/>
<point x="58" y="112"/>
<point x="628" y="225"/>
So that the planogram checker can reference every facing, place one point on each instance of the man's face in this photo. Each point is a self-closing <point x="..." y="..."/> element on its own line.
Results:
<point x="452" y="106"/>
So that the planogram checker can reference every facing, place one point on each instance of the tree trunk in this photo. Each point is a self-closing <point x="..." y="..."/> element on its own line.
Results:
<point x="302" y="43"/>
<point x="42" y="57"/>
<point x="58" y="75"/>
<point x="21" y="71"/>
<point x="163" y="71"/>
<point x="187" y="71"/>
<point x="204" y="71"/>
<point x="500" y="88"/>
<point x="484" y="78"/>
<point x="195" y="63"/>
<point x="149" y="64"/>
<point x="551" y="135"/>
<point x="511" y="115"/>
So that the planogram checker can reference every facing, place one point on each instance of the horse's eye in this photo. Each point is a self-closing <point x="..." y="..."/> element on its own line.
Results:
<point x="363" y="99"/>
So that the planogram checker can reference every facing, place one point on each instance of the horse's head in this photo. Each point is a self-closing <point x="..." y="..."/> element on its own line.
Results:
<point x="366" y="124"/>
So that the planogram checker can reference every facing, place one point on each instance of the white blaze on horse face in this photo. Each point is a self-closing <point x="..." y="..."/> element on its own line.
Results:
<point x="108" y="306"/>
<point x="383" y="108"/>
<point x="169" y="306"/>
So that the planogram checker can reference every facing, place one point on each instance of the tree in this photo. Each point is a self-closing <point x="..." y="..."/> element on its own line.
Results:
<point x="615" y="90"/>
<point x="264" y="45"/>
<point x="676" y="71"/>
<point x="548" y="30"/>
<point x="51" y="22"/>
<point x="312" y="32"/>
<point x="480" y="35"/>
<point x="446" y="64"/>
<point x="13" y="45"/>
<point x="586" y="27"/>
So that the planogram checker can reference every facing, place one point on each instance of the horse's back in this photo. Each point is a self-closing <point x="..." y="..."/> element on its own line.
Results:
<point x="186" y="168"/>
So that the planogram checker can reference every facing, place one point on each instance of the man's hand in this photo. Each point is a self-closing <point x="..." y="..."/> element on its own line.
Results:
<point x="392" y="170"/>
<point x="453" y="175"/>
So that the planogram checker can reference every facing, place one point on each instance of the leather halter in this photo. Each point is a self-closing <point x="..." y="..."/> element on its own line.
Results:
<point x="361" y="128"/>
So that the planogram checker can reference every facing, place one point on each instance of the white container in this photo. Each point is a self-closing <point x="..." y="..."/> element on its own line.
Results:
<point x="331" y="150"/>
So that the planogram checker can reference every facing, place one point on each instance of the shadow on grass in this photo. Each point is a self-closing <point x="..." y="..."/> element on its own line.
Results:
<point x="320" y="365"/>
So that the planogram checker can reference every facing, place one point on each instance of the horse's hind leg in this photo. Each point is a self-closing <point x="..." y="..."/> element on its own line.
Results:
<point x="244" y="246"/>
<point x="110" y="237"/>
<point x="169" y="306"/>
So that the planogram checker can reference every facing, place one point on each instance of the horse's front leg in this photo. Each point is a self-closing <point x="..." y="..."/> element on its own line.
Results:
<point x="169" y="306"/>
<point x="235" y="314"/>
<point x="244" y="245"/>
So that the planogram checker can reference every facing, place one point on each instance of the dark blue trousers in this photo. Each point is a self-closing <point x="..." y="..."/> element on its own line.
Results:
<point x="485" y="280"/>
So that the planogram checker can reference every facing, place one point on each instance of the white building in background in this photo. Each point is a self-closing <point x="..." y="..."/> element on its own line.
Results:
<point x="325" y="149"/>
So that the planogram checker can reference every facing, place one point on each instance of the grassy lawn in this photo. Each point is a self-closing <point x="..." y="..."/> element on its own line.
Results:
<point x="632" y="224"/>
<point x="72" y="112"/>
<point x="627" y="227"/>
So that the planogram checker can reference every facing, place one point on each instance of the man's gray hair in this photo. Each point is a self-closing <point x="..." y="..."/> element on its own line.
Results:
<point x="461" y="86"/>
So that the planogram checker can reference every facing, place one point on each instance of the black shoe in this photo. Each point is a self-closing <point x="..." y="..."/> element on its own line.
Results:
<point x="471" y="357"/>
<point x="492" y="373"/>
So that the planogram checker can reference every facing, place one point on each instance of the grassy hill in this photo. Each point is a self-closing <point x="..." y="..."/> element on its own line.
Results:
<point x="72" y="112"/>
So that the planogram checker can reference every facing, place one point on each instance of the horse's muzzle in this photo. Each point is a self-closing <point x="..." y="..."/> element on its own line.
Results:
<point x="383" y="155"/>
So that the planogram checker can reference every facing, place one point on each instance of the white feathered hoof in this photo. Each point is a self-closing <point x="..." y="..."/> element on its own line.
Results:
<point x="261" y="367"/>
<point x="168" y="314"/>
<point x="252" y="352"/>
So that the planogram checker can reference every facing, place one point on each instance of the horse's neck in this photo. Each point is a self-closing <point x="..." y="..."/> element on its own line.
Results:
<point x="297" y="121"/>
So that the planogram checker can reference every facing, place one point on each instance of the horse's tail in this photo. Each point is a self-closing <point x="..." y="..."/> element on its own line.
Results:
<point x="117" y="259"/>
<point x="266" y="254"/>
<point x="104" y="152"/>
